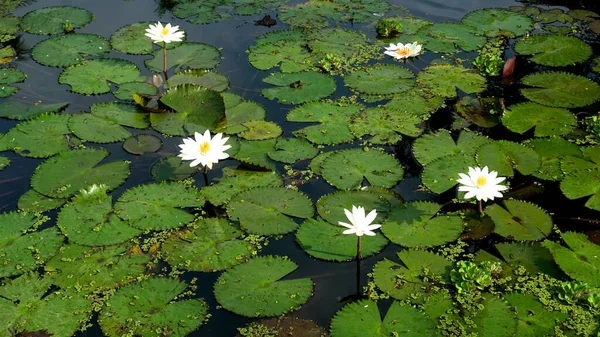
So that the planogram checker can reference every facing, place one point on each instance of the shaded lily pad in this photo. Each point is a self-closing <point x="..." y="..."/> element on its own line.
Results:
<point x="552" y="151"/>
<point x="142" y="143"/>
<point x="158" y="206"/>
<point x="441" y="174"/>
<point x="347" y="169"/>
<point x="333" y="118"/>
<point x="436" y="145"/>
<point x="264" y="293"/>
<point x="68" y="172"/>
<point x="496" y="319"/>
<point x="269" y="210"/>
<point x="552" y="15"/>
<point x="331" y="206"/>
<point x="533" y="256"/>
<point x="172" y="168"/>
<point x="498" y="21"/>
<point x="9" y="28"/>
<point x="381" y="79"/>
<point x="21" y="111"/>
<point x="126" y="90"/>
<point x="205" y="78"/>
<point x="33" y="201"/>
<point x="504" y="156"/>
<point x="579" y="260"/>
<point x="235" y="181"/>
<point x="386" y="125"/>
<point x="285" y="326"/>
<point x="239" y="111"/>
<point x="444" y="79"/>
<point x="463" y="36"/>
<point x="94" y="76"/>
<point x="554" y="50"/>
<point x="316" y="13"/>
<point x="290" y="150"/>
<point x="23" y="247"/>
<point x="520" y="220"/>
<point x="559" y="89"/>
<point x="7" y="54"/>
<point x="10" y="76"/>
<point x="326" y="241"/>
<point x="51" y="20"/>
<point x="547" y="121"/>
<point x="582" y="14"/>
<point x="40" y="137"/>
<point x="481" y="111"/>
<point x="70" y="49"/>
<point x="295" y="88"/>
<point x="151" y="304"/>
<point x="213" y="244"/>
<point x="255" y="154"/>
<point x="189" y="55"/>
<point x="260" y="130"/>
<point x="583" y="183"/>
<point x="540" y="324"/>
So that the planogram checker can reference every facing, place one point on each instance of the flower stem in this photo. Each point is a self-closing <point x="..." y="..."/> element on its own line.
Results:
<point x="205" y="174"/>
<point x="480" y="207"/>
<point x="165" y="60"/>
<point x="358" y="288"/>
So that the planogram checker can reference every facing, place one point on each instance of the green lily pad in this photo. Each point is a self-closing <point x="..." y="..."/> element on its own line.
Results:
<point x="172" y="168"/>
<point x="158" y="206"/>
<point x="29" y="304"/>
<point x="52" y="20"/>
<point x="188" y="55"/>
<point x="552" y="151"/>
<point x="132" y="39"/>
<point x="295" y="88"/>
<point x="520" y="220"/>
<point x="203" y="12"/>
<point x="333" y="119"/>
<point x="148" y="308"/>
<point x="126" y="91"/>
<point x="205" y="78"/>
<point x="260" y="130"/>
<point x="235" y="181"/>
<point x="68" y="172"/>
<point x="290" y="150"/>
<point x="331" y="206"/>
<point x="504" y="156"/>
<point x="533" y="256"/>
<point x="239" y="111"/>
<point x="4" y="162"/>
<point x="580" y="262"/>
<point x="441" y="174"/>
<point x="10" y="76"/>
<point x="93" y="76"/>
<point x="554" y="50"/>
<point x="415" y="224"/>
<point x="443" y="79"/>
<point x="362" y="318"/>
<point x="20" y="111"/>
<point x="406" y="281"/>
<point x="33" y="201"/>
<point x="559" y="89"/>
<point x="496" y="319"/>
<point x="583" y="183"/>
<point x="9" y="28"/>
<point x="255" y="154"/>
<point x="415" y="102"/>
<point x="547" y="121"/>
<point x="552" y="15"/>
<point x="7" y="54"/>
<point x="95" y="268"/>
<point x="40" y="137"/>
<point x="386" y="125"/>
<point x="106" y="123"/>
<point x="481" y="111"/>
<point x="463" y="36"/>
<point x="213" y="244"/>
<point x="23" y="247"/>
<point x="287" y="49"/>
<point x="264" y="293"/>
<point x="269" y="210"/>
<point x="542" y="323"/>
<point x="582" y="14"/>
<point x="142" y="143"/>
<point x="70" y="49"/>
<point x="348" y="168"/>
<point x="89" y="220"/>
<point x="326" y="241"/>
<point x="315" y="14"/>
<point x="498" y="21"/>
<point x="587" y="158"/>
<point x="197" y="109"/>
<point x="381" y="79"/>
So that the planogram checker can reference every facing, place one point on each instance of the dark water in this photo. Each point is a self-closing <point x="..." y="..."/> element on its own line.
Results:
<point x="332" y="280"/>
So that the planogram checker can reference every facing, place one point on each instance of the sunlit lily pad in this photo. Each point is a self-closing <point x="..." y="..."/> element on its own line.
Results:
<point x="7" y="54"/>
<point x="386" y="125"/>
<point x="189" y="55"/>
<point x="21" y="111"/>
<point x="290" y="150"/>
<point x="213" y="244"/>
<point x="504" y="157"/>
<point x="132" y="39"/>
<point x="463" y="36"/>
<point x="205" y="78"/>
<point x="582" y="14"/>
<point x="28" y="303"/>
<point x="498" y="21"/>
<point x="547" y="121"/>
<point x="255" y="154"/>
<point x="239" y="111"/>
<point x="40" y="137"/>
<point x="436" y="145"/>
<point x="158" y="206"/>
<point x="51" y="20"/>
<point x="287" y="49"/>
<point x="125" y="91"/>
<point x="331" y="206"/>
<point x="156" y="307"/>
<point x="22" y="247"/>
<point x="554" y="50"/>
<point x="106" y="123"/>
<point x="10" y="76"/>
<point x="68" y="172"/>
<point x="172" y="168"/>
<point x="441" y="174"/>
<point x="9" y="28"/>
<point x="347" y="169"/>
<point x="520" y="220"/>
<point x="552" y="151"/>
<point x="559" y="89"/>
<point x="583" y="183"/>
<point x="326" y="241"/>
<point x="260" y="130"/>
<point x="70" y="49"/>
<point x="33" y="201"/>
<point x="95" y="76"/>
<point x="295" y="88"/>
<point x="235" y="181"/>
<point x="142" y="143"/>
<point x="579" y="260"/>
<point x="333" y="118"/>
<point x="264" y="293"/>
<point x="381" y="79"/>
<point x="269" y="210"/>
<point x="363" y="318"/>
<point x="444" y="79"/>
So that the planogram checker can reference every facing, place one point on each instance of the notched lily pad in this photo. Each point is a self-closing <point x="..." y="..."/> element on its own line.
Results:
<point x="188" y="55"/>
<point x="52" y="20"/>
<point x="205" y="78"/>
<point x="10" y="76"/>
<point x="290" y="150"/>
<point x="444" y="79"/>
<point x="547" y="121"/>
<point x="94" y="76"/>
<point x="583" y="183"/>
<point x="20" y="111"/>
<point x="172" y="168"/>
<point x="498" y="21"/>
<point x="580" y="260"/>
<point x="331" y="206"/>
<point x="70" y="49"/>
<point x="505" y="157"/>
<point x="560" y="89"/>
<point x="520" y="220"/>
<point x="132" y="39"/>
<point x="333" y="118"/>
<point x="295" y="88"/>
<point x="234" y="181"/>
<point x="381" y="79"/>
<point x="40" y="137"/>
<point x="554" y="50"/>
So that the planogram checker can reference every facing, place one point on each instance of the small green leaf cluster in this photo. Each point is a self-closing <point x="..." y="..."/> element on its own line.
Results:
<point x="331" y="63"/>
<point x="468" y="276"/>
<point x="258" y="330"/>
<point x="575" y="291"/>
<point x="388" y="28"/>
<point x="490" y="62"/>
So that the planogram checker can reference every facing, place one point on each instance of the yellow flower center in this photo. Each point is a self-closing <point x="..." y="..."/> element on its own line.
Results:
<point x="164" y="31"/>
<point x="481" y="181"/>
<point x="204" y="147"/>
<point x="404" y="51"/>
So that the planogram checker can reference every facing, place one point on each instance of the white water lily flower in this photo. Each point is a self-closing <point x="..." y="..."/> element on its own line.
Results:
<point x="481" y="184"/>
<point x="203" y="150"/>
<point x="403" y="51"/>
<point x="359" y="223"/>
<point x="166" y="34"/>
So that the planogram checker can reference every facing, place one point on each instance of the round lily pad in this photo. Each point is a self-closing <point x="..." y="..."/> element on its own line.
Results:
<point x="465" y="37"/>
<point x="40" y="137"/>
<point x="188" y="55"/>
<point x="94" y="76"/>
<point x="23" y="248"/>
<point x="264" y="294"/>
<point x="481" y="111"/>
<point x="496" y="318"/>
<point x="533" y="256"/>
<point x="286" y="48"/>
<point x="381" y="79"/>
<point x="504" y="156"/>
<point x="142" y="143"/>
<point x="542" y="323"/>
<point x="441" y="174"/>
<point x="254" y="154"/>
<point x="326" y="241"/>
<point x="33" y="201"/>
<point x="334" y="119"/>
<point x="386" y="125"/>
<point x="579" y="260"/>
<point x="213" y="244"/>
<point x="583" y="183"/>
<point x="554" y="50"/>
<point x="52" y="20"/>
<point x="132" y="39"/>
<point x="520" y="221"/>
<point x="560" y="89"/>
<point x="4" y="162"/>
<point x="172" y="168"/>
<point x="158" y="206"/>
<point x="235" y="181"/>
<point x="206" y="78"/>
<point x="290" y="150"/>
<point x="268" y="210"/>
<point x="20" y="111"/>
<point x="348" y="168"/>
<point x="70" y="49"/>
<point x="260" y="130"/>
<point x="125" y="91"/>
<point x="295" y="88"/>
<point x="444" y="79"/>
<point x="155" y="307"/>
<point x="317" y="14"/>
<point x="68" y="172"/>
<point x="498" y="21"/>
<point x="239" y="111"/>
<point x="547" y="121"/>
<point x="10" y="76"/>
<point x="331" y="206"/>
<point x="552" y="151"/>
